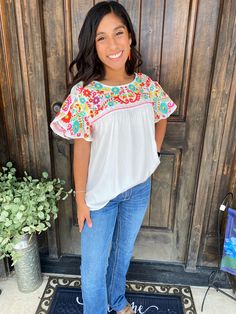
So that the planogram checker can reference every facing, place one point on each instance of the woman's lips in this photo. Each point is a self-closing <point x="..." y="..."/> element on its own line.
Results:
<point x="116" y="55"/>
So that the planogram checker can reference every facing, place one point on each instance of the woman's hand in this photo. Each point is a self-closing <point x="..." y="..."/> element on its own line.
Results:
<point x="83" y="213"/>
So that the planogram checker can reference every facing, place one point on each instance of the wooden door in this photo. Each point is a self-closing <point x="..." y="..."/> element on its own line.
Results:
<point x="165" y="32"/>
<point x="189" y="47"/>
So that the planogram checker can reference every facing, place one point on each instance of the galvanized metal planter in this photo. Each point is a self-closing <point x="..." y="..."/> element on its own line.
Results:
<point x="28" y="269"/>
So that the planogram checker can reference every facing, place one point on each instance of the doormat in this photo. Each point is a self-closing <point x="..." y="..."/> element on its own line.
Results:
<point x="62" y="295"/>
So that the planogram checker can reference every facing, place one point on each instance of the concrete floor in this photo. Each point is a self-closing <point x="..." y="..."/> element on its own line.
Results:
<point x="12" y="301"/>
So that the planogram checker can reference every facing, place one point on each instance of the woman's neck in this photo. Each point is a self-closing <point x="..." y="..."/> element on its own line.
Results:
<point x="117" y="78"/>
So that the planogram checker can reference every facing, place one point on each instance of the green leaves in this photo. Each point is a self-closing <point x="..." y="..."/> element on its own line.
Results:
<point x="27" y="205"/>
<point x="5" y="241"/>
<point x="41" y="215"/>
<point x="45" y="175"/>
<point x="19" y="215"/>
<point x="26" y="229"/>
<point x="9" y="164"/>
<point x="22" y="207"/>
<point x="4" y="214"/>
<point x="8" y="222"/>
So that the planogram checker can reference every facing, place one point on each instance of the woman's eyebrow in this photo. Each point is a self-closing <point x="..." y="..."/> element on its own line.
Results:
<point x="121" y="26"/>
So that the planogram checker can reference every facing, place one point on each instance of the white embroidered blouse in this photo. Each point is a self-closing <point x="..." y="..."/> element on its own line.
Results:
<point x="120" y="123"/>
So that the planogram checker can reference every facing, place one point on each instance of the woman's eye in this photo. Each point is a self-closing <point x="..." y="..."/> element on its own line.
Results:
<point x="119" y="33"/>
<point x="101" y="38"/>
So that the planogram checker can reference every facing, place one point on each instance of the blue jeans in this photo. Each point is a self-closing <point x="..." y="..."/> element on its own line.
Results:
<point x="106" y="249"/>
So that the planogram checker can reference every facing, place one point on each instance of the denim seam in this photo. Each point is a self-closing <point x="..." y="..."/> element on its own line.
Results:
<point x="129" y="196"/>
<point x="115" y="262"/>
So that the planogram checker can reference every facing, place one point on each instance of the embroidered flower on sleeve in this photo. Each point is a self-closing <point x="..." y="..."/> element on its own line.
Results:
<point x="74" y="119"/>
<point x="163" y="105"/>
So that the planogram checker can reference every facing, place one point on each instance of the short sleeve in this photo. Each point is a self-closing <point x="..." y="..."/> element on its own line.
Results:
<point x="73" y="121"/>
<point x="163" y="105"/>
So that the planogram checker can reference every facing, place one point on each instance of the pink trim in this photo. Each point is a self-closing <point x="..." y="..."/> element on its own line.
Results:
<point x="146" y="102"/>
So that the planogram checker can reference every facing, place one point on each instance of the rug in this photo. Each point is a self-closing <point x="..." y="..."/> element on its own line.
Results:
<point x="62" y="295"/>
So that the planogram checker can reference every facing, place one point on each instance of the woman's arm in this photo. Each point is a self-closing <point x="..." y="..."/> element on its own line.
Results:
<point x="80" y="171"/>
<point x="160" y="131"/>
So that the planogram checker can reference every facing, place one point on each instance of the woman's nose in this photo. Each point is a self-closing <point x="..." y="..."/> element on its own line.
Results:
<point x="112" y="43"/>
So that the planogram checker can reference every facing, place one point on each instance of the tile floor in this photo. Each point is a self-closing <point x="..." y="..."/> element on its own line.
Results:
<point x="12" y="301"/>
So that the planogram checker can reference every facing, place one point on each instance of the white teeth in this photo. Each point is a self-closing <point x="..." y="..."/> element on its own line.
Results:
<point x="115" y="56"/>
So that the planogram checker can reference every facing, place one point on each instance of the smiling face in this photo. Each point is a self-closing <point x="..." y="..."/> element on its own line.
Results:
<point x="112" y="43"/>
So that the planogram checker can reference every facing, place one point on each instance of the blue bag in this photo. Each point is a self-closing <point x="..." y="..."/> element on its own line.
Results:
<point x="228" y="261"/>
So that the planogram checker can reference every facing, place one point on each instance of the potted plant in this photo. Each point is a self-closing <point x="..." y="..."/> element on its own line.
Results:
<point x="27" y="206"/>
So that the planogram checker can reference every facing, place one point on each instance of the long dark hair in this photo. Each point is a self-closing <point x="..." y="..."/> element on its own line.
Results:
<point x="87" y="63"/>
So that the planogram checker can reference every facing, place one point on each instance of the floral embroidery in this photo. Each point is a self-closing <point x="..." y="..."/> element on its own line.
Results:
<point x="115" y="90"/>
<point x="82" y="100"/>
<point x="98" y="86"/>
<point x="164" y="107"/>
<point x="96" y="100"/>
<point x="66" y="104"/>
<point x="67" y="117"/>
<point x="86" y="92"/>
<point x="162" y="104"/>
<point x="132" y="87"/>
<point x="85" y="104"/>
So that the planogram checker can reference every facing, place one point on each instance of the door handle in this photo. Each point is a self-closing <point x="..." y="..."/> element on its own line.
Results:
<point x="56" y="106"/>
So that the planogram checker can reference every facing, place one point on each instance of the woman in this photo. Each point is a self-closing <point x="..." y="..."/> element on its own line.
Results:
<point x="110" y="113"/>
